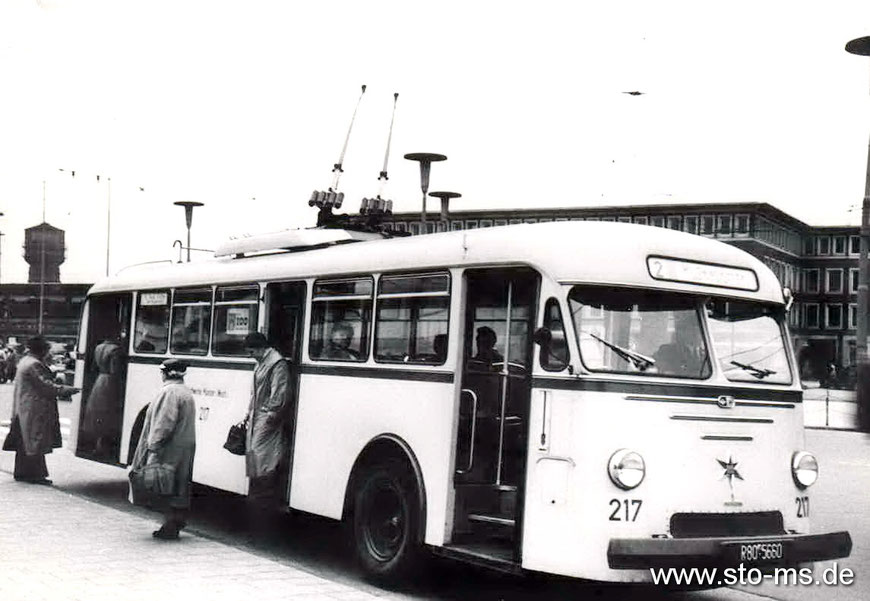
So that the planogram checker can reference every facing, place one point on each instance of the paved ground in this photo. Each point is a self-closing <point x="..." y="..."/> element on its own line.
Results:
<point x="60" y="546"/>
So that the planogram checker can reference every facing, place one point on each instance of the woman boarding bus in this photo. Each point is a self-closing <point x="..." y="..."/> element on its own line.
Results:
<point x="633" y="412"/>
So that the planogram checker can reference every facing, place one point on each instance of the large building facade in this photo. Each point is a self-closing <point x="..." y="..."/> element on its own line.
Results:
<point x="818" y="264"/>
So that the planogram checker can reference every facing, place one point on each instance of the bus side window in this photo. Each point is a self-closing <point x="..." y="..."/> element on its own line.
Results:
<point x="236" y="311"/>
<point x="554" y="354"/>
<point x="151" y="333"/>
<point x="340" y="319"/>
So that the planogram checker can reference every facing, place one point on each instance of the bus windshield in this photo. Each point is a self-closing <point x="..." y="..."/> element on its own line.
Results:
<point x="639" y="331"/>
<point x="748" y="339"/>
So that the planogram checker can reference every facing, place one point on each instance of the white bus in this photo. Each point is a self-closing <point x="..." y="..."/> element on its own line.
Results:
<point x="640" y="406"/>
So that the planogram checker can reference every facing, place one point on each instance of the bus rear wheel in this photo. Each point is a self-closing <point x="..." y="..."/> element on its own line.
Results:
<point x="386" y="522"/>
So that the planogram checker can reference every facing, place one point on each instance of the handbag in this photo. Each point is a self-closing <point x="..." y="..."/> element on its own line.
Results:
<point x="151" y="481"/>
<point x="13" y="439"/>
<point x="236" y="438"/>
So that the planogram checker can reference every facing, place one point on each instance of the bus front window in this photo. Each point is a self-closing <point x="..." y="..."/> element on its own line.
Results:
<point x="640" y="332"/>
<point x="748" y="339"/>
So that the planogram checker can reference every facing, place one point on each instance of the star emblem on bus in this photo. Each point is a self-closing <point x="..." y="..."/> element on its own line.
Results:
<point x="730" y="472"/>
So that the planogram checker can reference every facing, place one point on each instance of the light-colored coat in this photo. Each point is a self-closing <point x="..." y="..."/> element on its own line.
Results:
<point x="169" y="432"/>
<point x="267" y="412"/>
<point x="35" y="404"/>
<point x="103" y="410"/>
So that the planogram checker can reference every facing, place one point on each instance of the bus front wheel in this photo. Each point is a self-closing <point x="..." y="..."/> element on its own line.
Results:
<point x="386" y="521"/>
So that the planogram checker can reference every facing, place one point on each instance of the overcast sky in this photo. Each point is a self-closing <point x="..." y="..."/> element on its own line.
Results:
<point x="244" y="105"/>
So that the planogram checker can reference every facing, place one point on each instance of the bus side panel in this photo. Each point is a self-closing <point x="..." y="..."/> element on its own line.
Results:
<point x="573" y="509"/>
<point x="338" y="416"/>
<point x="221" y="397"/>
<point x="76" y="405"/>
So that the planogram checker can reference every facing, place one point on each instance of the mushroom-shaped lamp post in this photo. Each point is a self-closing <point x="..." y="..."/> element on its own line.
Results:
<point x="445" y="203"/>
<point x="425" y="159"/>
<point x="188" y="218"/>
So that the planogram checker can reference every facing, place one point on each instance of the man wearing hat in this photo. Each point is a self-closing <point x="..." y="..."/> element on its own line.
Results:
<point x="267" y="443"/>
<point x="35" y="427"/>
<point x="169" y="437"/>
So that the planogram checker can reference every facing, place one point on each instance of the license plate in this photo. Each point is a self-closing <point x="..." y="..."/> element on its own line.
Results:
<point x="760" y="553"/>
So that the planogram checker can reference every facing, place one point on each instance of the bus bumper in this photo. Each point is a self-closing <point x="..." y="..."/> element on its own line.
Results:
<point x="776" y="550"/>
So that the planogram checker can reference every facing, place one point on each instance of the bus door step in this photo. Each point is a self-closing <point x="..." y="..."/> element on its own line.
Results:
<point x="491" y="519"/>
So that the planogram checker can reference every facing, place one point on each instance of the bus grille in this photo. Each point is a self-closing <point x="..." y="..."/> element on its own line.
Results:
<point x="689" y="525"/>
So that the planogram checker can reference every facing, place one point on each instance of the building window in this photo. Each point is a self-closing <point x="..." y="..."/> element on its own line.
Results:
<point x="657" y="221"/>
<point x="811" y="318"/>
<point x="415" y="228"/>
<point x="834" y="280"/>
<point x="516" y="221"/>
<point x="741" y="225"/>
<point x="401" y="226"/>
<point x="456" y="225"/>
<point x="191" y="321"/>
<point x="690" y="224"/>
<point x="624" y="219"/>
<point x="794" y="316"/>
<point x="707" y="225"/>
<point x="642" y="220"/>
<point x="608" y="219"/>
<point x="839" y="245"/>
<point x="853" y="280"/>
<point x="854" y="245"/>
<point x="675" y="222"/>
<point x="853" y="316"/>
<point x="824" y="245"/>
<point x="723" y="225"/>
<point x="412" y="319"/>
<point x="340" y="317"/>
<point x="471" y="224"/>
<point x="809" y="246"/>
<point x="486" y="223"/>
<point x="834" y="317"/>
<point x="236" y="314"/>
<point x="811" y="279"/>
<point x="500" y="222"/>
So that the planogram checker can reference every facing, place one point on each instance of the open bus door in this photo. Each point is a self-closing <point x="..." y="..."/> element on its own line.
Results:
<point x="494" y="409"/>
<point x="286" y="314"/>
<point x="104" y="377"/>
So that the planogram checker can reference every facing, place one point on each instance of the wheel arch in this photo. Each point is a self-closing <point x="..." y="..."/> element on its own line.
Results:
<point x="380" y="449"/>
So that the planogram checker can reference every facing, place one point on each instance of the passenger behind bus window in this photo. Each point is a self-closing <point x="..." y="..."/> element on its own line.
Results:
<point x="439" y="347"/>
<point x="487" y="355"/>
<point x="340" y="339"/>
<point x="686" y="355"/>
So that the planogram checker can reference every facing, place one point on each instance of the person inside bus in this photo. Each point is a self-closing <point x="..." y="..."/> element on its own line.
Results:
<point x="339" y="343"/>
<point x="102" y="419"/>
<point x="169" y="437"/>
<point x="439" y="347"/>
<point x="686" y="355"/>
<point x="487" y="355"/>
<point x="269" y="419"/>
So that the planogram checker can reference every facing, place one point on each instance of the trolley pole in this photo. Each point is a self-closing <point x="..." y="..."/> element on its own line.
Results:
<point x="861" y="47"/>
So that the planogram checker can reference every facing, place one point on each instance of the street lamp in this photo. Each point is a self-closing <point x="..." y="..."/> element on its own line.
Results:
<point x="425" y="159"/>
<point x="445" y="203"/>
<point x="188" y="218"/>
<point x="861" y="47"/>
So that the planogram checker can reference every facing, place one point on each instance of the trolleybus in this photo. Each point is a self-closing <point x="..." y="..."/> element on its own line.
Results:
<point x="575" y="398"/>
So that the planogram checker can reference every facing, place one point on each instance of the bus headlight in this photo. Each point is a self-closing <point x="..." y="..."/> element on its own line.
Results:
<point x="804" y="468"/>
<point x="626" y="469"/>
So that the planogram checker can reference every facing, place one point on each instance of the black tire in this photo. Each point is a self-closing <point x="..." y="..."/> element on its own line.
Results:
<point x="386" y="522"/>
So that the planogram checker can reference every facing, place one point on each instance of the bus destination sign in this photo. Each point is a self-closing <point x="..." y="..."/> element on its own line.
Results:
<point x="704" y="274"/>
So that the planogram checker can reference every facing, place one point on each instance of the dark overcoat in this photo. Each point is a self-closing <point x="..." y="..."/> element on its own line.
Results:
<point x="35" y="405"/>
<point x="268" y="412"/>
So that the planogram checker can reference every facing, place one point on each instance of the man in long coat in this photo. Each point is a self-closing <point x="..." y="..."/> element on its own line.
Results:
<point x="268" y="417"/>
<point x="169" y="437"/>
<point x="34" y="413"/>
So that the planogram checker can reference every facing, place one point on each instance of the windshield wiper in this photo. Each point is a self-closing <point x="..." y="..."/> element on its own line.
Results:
<point x="641" y="362"/>
<point x="758" y="372"/>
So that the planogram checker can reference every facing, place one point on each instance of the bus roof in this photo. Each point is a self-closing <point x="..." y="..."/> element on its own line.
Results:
<point x="609" y="253"/>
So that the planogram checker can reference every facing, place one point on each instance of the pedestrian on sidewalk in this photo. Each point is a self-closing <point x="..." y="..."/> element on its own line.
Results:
<point x="268" y="432"/>
<point x="169" y="437"/>
<point x="35" y="428"/>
